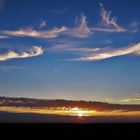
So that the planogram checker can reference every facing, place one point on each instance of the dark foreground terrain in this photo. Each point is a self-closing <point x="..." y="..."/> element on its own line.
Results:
<point x="7" y="117"/>
<point x="39" y="125"/>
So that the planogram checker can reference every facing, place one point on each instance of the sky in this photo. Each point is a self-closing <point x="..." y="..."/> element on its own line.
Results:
<point x="77" y="50"/>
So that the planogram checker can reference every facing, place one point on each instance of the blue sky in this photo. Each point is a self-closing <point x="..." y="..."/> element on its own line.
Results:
<point x="78" y="49"/>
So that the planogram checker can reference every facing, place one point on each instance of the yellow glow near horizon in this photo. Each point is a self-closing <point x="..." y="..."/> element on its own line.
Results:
<point x="75" y="111"/>
<point x="69" y="111"/>
<point x="81" y="112"/>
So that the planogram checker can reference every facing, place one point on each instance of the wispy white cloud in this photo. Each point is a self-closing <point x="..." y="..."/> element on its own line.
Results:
<point x="72" y="47"/>
<point x="59" y="11"/>
<point x="134" y="27"/>
<point x="29" y="32"/>
<point x="131" y="100"/>
<point x="109" y="24"/>
<point x="109" y="21"/>
<point x="134" y="24"/>
<point x="109" y="30"/>
<point x="3" y="37"/>
<point x="42" y="24"/>
<point x="108" y="53"/>
<point x="34" y="51"/>
<point x="82" y="30"/>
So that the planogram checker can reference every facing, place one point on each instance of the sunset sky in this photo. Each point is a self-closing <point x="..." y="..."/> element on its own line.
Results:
<point x="70" y="49"/>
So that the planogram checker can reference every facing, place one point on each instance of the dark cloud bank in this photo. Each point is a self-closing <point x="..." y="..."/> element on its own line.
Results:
<point x="99" y="106"/>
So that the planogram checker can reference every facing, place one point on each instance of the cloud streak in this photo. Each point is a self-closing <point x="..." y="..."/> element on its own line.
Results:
<point x="43" y="24"/>
<point x="109" y="53"/>
<point x="110" y="22"/>
<point x="3" y="37"/>
<point x="131" y="100"/>
<point x="34" y="33"/>
<point x="82" y="31"/>
<point x="71" y="47"/>
<point x="35" y="51"/>
<point x="134" y="27"/>
<point x="34" y="103"/>
<point x="109" y="30"/>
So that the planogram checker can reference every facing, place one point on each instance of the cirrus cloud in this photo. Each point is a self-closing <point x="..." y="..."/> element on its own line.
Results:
<point x="131" y="100"/>
<point x="42" y="24"/>
<point x="29" y="32"/>
<point x="110" y="22"/>
<point x="3" y="37"/>
<point x="109" y="53"/>
<point x="82" y="31"/>
<point x="34" y="51"/>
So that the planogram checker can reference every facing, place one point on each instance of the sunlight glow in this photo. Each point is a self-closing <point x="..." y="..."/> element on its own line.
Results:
<point x="80" y="112"/>
<point x="69" y="111"/>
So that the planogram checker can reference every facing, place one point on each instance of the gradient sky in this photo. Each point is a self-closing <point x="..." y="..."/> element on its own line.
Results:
<point x="70" y="49"/>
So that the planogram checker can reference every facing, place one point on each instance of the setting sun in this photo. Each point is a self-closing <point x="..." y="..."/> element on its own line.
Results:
<point x="80" y="114"/>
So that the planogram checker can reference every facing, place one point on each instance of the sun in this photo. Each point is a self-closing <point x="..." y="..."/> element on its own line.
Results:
<point x="80" y="114"/>
<point x="77" y="111"/>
